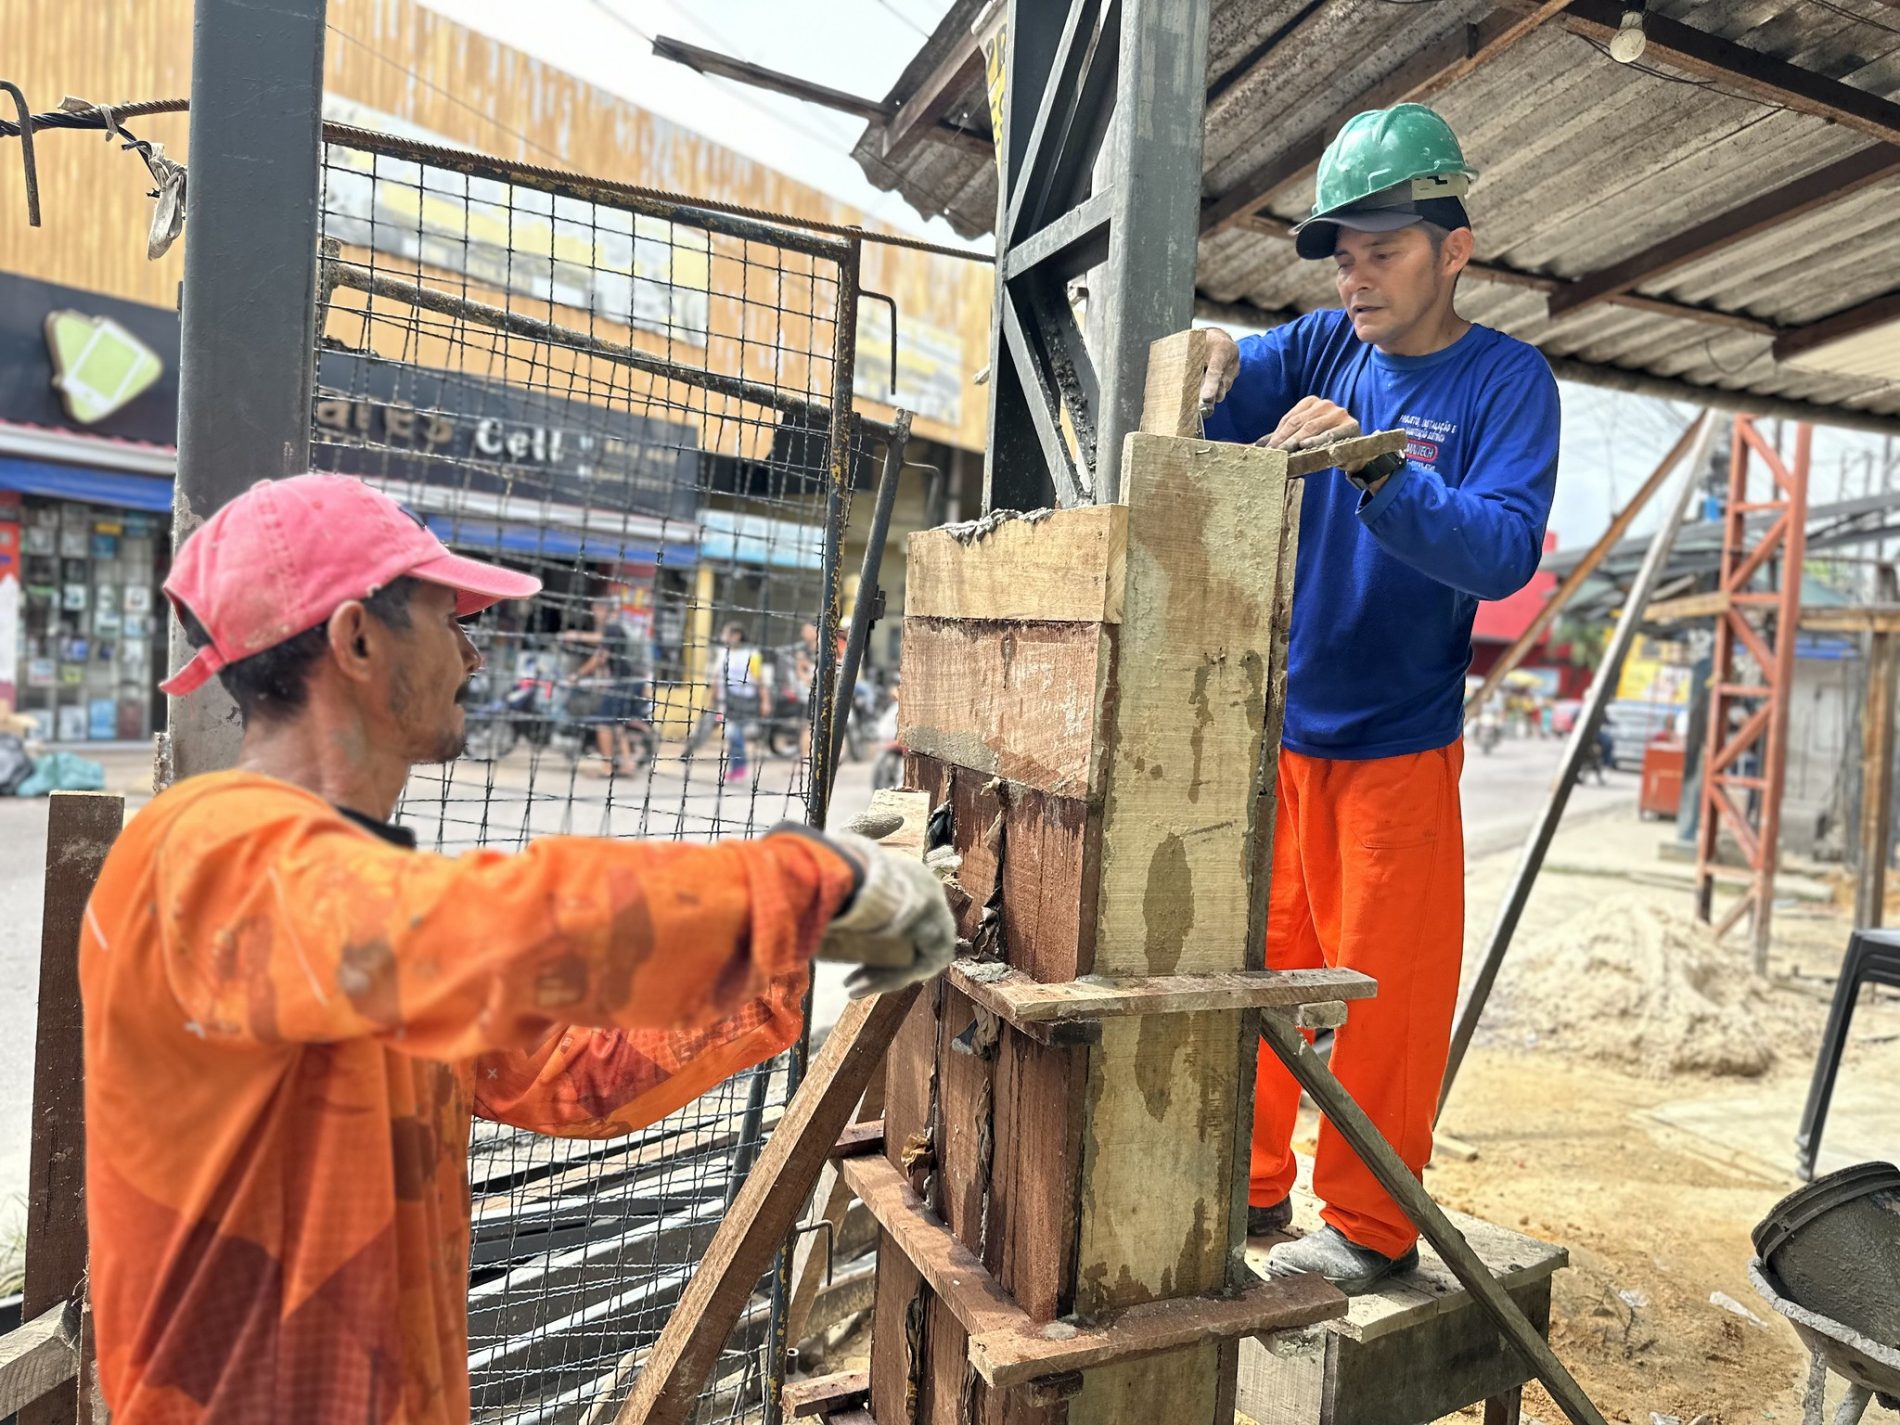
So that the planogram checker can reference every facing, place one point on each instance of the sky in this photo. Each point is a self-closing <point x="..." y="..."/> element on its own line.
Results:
<point x="1611" y="440"/>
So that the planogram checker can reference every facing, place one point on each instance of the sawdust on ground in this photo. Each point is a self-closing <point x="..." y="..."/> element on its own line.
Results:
<point x="1639" y="985"/>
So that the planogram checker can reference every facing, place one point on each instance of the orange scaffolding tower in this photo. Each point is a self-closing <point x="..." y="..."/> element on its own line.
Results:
<point x="1755" y="635"/>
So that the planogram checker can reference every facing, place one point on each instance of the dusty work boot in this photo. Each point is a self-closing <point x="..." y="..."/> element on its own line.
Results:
<point x="1353" y="1269"/>
<point x="1270" y="1221"/>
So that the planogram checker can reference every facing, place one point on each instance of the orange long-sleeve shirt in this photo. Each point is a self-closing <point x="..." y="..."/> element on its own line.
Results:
<point x="289" y="1021"/>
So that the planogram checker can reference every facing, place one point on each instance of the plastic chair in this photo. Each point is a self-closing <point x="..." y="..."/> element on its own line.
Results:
<point x="1873" y="958"/>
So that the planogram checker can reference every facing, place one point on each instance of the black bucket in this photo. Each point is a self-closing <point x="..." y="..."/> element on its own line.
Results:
<point x="1834" y="1248"/>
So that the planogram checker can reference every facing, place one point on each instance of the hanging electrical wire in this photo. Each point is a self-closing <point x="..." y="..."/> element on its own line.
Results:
<point x="107" y="119"/>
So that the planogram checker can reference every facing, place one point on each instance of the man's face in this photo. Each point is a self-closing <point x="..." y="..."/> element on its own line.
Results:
<point x="430" y="665"/>
<point x="809" y="633"/>
<point x="1387" y="282"/>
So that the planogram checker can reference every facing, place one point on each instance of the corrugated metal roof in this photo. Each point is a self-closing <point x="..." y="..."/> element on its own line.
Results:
<point x="1583" y="162"/>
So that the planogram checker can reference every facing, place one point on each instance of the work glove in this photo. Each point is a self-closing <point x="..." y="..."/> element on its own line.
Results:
<point x="898" y="928"/>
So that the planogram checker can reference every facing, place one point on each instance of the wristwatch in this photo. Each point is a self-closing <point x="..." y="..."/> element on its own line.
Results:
<point x="1375" y="469"/>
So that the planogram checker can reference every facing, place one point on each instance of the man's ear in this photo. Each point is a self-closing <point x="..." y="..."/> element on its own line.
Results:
<point x="1456" y="252"/>
<point x="353" y="634"/>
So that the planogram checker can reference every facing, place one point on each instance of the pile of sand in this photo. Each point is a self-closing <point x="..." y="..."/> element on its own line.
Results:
<point x="1639" y="987"/>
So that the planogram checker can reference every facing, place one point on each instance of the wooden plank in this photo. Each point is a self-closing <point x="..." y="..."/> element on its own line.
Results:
<point x="1171" y="400"/>
<point x="1034" y="1192"/>
<point x="762" y="1213"/>
<point x="1008" y="1349"/>
<point x="860" y="1138"/>
<point x="950" y="1269"/>
<point x="1025" y="1002"/>
<point x="825" y="1395"/>
<point x="1196" y="636"/>
<point x="1440" y="1366"/>
<point x="1182" y="778"/>
<point x="1010" y="1358"/>
<point x="1020" y="701"/>
<point x="37" y="1359"/>
<point x="80" y="830"/>
<point x="1056" y="566"/>
<point x="894" y="1390"/>
<point x="1311" y="461"/>
<point x="966" y="1089"/>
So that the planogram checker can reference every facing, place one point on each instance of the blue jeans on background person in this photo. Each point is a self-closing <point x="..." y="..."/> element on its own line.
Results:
<point x="735" y="744"/>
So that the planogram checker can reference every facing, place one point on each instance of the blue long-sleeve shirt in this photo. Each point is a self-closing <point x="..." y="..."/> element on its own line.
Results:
<point x="1387" y="585"/>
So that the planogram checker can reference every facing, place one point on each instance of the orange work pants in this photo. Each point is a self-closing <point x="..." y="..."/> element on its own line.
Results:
<point x="1368" y="875"/>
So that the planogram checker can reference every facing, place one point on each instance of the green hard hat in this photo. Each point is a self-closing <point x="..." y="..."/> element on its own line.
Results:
<point x="1387" y="160"/>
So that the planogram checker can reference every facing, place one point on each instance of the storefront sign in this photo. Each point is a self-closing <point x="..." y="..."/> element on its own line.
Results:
<point x="98" y="366"/>
<point x="400" y="422"/>
<point x="50" y="379"/>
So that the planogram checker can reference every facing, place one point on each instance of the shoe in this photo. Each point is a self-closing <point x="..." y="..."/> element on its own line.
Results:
<point x="736" y="774"/>
<point x="1270" y="1221"/>
<point x="1355" y="1270"/>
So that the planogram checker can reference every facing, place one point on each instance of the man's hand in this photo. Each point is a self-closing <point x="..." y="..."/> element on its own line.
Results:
<point x="1310" y="423"/>
<point x="1223" y="365"/>
<point x="899" y="913"/>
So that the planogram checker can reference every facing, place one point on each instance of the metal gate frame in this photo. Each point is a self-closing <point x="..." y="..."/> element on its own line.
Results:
<point x="247" y="407"/>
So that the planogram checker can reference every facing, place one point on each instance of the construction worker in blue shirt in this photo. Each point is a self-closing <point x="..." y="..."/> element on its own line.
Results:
<point x="1394" y="555"/>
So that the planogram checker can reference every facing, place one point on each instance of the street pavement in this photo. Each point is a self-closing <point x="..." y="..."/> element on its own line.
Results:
<point x="506" y="803"/>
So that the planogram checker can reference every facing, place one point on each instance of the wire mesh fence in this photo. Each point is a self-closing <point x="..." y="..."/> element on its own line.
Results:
<point x="647" y="406"/>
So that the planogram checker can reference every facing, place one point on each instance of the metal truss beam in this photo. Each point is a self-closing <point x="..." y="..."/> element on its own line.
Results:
<point x="1101" y="156"/>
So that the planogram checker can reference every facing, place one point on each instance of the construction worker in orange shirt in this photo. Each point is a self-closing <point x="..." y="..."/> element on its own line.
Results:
<point x="291" y="1013"/>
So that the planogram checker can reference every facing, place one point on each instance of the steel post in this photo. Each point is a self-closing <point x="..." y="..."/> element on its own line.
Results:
<point x="248" y="319"/>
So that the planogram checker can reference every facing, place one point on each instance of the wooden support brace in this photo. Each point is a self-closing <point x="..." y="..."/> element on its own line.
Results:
<point x="1055" y="1012"/>
<point x="762" y="1214"/>
<point x="825" y="1395"/>
<point x="1008" y="1348"/>
<point x="38" y="1358"/>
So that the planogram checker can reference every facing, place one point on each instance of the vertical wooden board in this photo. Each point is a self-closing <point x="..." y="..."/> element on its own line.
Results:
<point x="1171" y="400"/>
<point x="907" y="1075"/>
<point x="1158" y="1160"/>
<point x="80" y="830"/>
<point x="1015" y="700"/>
<point x="947" y="1349"/>
<point x="1033" y="1203"/>
<point x="1045" y="844"/>
<point x="897" y="1286"/>
<point x="1049" y="885"/>
<point x="1180" y="1388"/>
<point x="1281" y="1389"/>
<point x="1189" y="712"/>
<point x="965" y="1091"/>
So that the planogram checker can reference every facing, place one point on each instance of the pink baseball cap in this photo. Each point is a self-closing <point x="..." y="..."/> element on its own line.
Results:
<point x="284" y="555"/>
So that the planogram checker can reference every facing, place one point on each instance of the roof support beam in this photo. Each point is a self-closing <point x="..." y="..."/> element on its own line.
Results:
<point x="1854" y="320"/>
<point x="1420" y="77"/>
<point x="924" y="111"/>
<point x="1757" y="216"/>
<point x="1758" y="75"/>
<point x="707" y="61"/>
